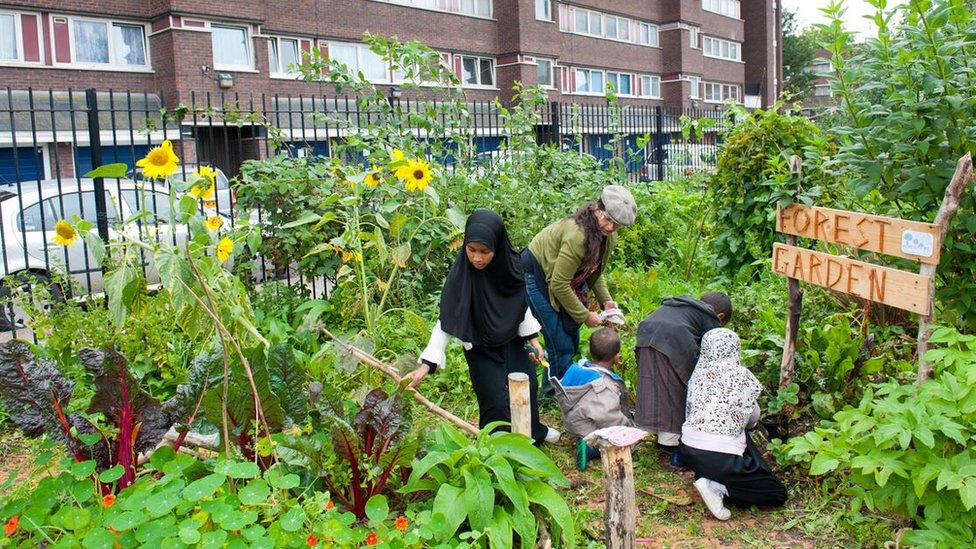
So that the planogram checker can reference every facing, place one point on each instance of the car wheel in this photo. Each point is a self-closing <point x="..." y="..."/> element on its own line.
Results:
<point x="12" y="316"/>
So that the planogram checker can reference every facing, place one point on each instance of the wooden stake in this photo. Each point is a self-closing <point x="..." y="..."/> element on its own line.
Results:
<point x="519" y="403"/>
<point x="796" y="302"/>
<point x="620" y="515"/>
<point x="947" y="210"/>
<point x="393" y="374"/>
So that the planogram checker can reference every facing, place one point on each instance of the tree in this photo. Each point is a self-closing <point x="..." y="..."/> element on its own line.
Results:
<point x="799" y="51"/>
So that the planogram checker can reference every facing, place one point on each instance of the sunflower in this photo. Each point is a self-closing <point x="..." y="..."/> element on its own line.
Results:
<point x="65" y="233"/>
<point x="160" y="162"/>
<point x="371" y="180"/>
<point x="416" y="174"/>
<point x="224" y="248"/>
<point x="208" y="174"/>
<point x="396" y="155"/>
<point x="214" y="223"/>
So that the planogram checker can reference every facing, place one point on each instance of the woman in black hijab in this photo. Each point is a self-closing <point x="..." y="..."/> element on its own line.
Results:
<point x="483" y="305"/>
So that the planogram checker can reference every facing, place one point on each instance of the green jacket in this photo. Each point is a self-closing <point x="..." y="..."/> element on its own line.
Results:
<point x="559" y="249"/>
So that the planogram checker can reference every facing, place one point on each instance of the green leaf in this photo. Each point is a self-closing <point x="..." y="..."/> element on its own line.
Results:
<point x="401" y="255"/>
<point x="95" y="245"/>
<point x="128" y="520"/>
<point x="256" y="491"/>
<point x="237" y="469"/>
<point x="73" y="518"/>
<point x="187" y="207"/>
<point x="213" y="540"/>
<point x="822" y="464"/>
<point x="112" y="474"/>
<point x="968" y="493"/>
<point x="83" y="469"/>
<point x="108" y="170"/>
<point x="519" y="448"/>
<point x="203" y="487"/>
<point x="456" y="217"/>
<point x="293" y="520"/>
<point x="280" y="480"/>
<point x="478" y="497"/>
<point x="445" y="504"/>
<point x="544" y="495"/>
<point x="189" y="535"/>
<point x="309" y="217"/>
<point x="121" y="287"/>
<point x="160" y="456"/>
<point x="99" y="538"/>
<point x="377" y="509"/>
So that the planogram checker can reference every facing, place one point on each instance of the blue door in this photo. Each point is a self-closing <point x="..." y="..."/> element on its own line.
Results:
<point x="22" y="164"/>
<point x="126" y="154"/>
<point x="597" y="146"/>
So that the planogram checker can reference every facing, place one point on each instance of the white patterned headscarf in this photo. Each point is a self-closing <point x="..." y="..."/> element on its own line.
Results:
<point x="721" y="392"/>
<point x="720" y="345"/>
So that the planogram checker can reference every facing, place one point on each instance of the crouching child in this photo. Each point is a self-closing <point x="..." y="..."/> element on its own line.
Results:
<point x="592" y="396"/>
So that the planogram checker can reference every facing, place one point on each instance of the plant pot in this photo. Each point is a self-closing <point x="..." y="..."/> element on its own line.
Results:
<point x="776" y="427"/>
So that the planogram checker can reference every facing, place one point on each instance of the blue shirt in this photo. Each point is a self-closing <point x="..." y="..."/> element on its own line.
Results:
<point x="583" y="372"/>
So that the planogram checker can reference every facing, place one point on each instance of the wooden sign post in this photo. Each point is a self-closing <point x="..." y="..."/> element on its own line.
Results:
<point x="519" y="403"/>
<point x="921" y="242"/>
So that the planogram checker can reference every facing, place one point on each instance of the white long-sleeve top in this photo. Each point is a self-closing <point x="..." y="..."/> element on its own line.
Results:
<point x="437" y="344"/>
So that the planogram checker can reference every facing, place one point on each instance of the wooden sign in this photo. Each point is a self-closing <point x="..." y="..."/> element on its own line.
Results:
<point x="892" y="287"/>
<point x="888" y="235"/>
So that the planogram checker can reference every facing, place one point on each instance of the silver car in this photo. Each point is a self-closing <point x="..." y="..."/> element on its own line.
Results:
<point x="28" y="213"/>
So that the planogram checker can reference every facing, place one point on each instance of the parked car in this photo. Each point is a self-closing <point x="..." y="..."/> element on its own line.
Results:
<point x="680" y="160"/>
<point x="28" y="213"/>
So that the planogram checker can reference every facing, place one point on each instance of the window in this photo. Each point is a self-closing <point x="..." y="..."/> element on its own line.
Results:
<point x="82" y="205"/>
<point x="479" y="8"/>
<point x="8" y="37"/>
<point x="694" y="34"/>
<point x="543" y="10"/>
<point x="728" y="8"/>
<point x="157" y="203"/>
<point x="721" y="49"/>
<point x="359" y="58"/>
<point x="476" y="7"/>
<point x="650" y="86"/>
<point x="231" y="48"/>
<point x="589" y="81"/>
<point x="282" y="53"/>
<point x="695" y="87"/>
<point x="621" y="82"/>
<point x="822" y="90"/>
<point x="543" y="69"/>
<point x="717" y="93"/>
<point x="648" y="34"/>
<point x="611" y="27"/>
<point x="821" y="68"/>
<point x="105" y="43"/>
<point x="477" y="71"/>
<point x="596" y="24"/>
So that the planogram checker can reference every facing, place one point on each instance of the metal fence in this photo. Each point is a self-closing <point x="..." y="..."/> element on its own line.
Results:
<point x="49" y="139"/>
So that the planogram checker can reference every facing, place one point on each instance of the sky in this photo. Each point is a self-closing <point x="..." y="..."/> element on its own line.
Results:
<point x="808" y="13"/>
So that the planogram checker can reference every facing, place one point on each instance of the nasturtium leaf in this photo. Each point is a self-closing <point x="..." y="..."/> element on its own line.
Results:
<point x="111" y="474"/>
<point x="256" y="491"/>
<point x="238" y="469"/>
<point x="213" y="540"/>
<point x="128" y="520"/>
<point x="161" y="456"/>
<point x="292" y="520"/>
<point x="203" y="487"/>
<point x="377" y="508"/>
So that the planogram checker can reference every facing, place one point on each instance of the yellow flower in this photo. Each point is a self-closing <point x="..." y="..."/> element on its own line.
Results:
<point x="160" y="162"/>
<point x="214" y="223"/>
<point x="207" y="172"/>
<point x="205" y="194"/>
<point x="416" y="174"/>
<point x="224" y="248"/>
<point x="347" y="255"/>
<point x="371" y="180"/>
<point x="64" y="233"/>
<point x="397" y="155"/>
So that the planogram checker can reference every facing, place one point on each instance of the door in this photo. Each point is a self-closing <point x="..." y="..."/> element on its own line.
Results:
<point x="20" y="164"/>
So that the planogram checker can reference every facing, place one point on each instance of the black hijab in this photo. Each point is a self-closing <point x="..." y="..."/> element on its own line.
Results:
<point x="484" y="307"/>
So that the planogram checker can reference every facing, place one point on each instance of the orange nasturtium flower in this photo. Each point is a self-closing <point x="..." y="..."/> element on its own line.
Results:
<point x="12" y="525"/>
<point x="329" y="505"/>
<point x="401" y="523"/>
<point x="108" y="500"/>
<point x="160" y="162"/>
<point x="371" y="538"/>
<point x="311" y="540"/>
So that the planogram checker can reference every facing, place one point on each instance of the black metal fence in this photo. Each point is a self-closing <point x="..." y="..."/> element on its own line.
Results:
<point x="49" y="139"/>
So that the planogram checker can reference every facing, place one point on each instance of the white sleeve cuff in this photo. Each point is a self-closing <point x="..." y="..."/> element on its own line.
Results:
<point x="434" y="352"/>
<point x="529" y="324"/>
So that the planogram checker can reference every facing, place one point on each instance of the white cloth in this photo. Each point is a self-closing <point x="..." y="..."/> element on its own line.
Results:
<point x="722" y="397"/>
<point x="437" y="344"/>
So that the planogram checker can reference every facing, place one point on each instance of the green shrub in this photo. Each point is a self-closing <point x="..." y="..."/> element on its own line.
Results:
<point x="908" y="449"/>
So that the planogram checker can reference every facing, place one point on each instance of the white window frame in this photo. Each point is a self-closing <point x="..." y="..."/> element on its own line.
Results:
<point x="603" y="78"/>
<point x="695" y="82"/>
<point x="725" y="92"/>
<point x="694" y="37"/>
<point x="418" y="4"/>
<point x="18" y="37"/>
<point x="819" y="87"/>
<point x="622" y="26"/>
<point x="248" y="45"/>
<point x="360" y="49"/>
<point x="815" y="68"/>
<point x="618" y="76"/>
<point x="727" y="8"/>
<point x="710" y="43"/>
<point x="647" y="84"/>
<point x="653" y="34"/>
<point x="546" y="6"/>
<point x="552" y="72"/>
<point x="479" y="85"/>
<point x="281" y="71"/>
<point x="111" y="65"/>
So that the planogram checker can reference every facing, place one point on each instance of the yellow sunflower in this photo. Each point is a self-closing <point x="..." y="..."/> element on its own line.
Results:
<point x="371" y="180"/>
<point x="397" y="155"/>
<point x="208" y="174"/>
<point x="224" y="248"/>
<point x="65" y="233"/>
<point x="416" y="174"/>
<point x="160" y="162"/>
<point x="214" y="223"/>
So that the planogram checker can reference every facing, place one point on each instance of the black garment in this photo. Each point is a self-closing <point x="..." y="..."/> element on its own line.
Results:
<point x="489" y="369"/>
<point x="676" y="329"/>
<point x="748" y="478"/>
<point x="484" y="307"/>
<point x="661" y="392"/>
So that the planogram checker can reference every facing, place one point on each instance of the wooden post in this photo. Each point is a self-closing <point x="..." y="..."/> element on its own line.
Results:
<point x="796" y="302"/>
<point x="947" y="210"/>
<point x="620" y="515"/>
<point x="520" y="403"/>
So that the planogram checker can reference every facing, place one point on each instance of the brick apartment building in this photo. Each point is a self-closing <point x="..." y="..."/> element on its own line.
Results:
<point x="674" y="53"/>
<point x="821" y="99"/>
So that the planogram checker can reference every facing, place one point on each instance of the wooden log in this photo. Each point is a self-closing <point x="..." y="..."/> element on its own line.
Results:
<point x="947" y="210"/>
<point x="393" y="374"/>
<point x="620" y="515"/>
<point x="792" y="328"/>
<point x="519" y="403"/>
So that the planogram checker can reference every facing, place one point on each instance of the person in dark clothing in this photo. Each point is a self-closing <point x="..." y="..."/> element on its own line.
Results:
<point x="483" y="304"/>
<point x="667" y="348"/>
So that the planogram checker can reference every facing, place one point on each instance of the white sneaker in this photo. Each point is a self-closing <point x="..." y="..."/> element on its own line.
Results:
<point x="552" y="435"/>
<point x="713" y="499"/>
